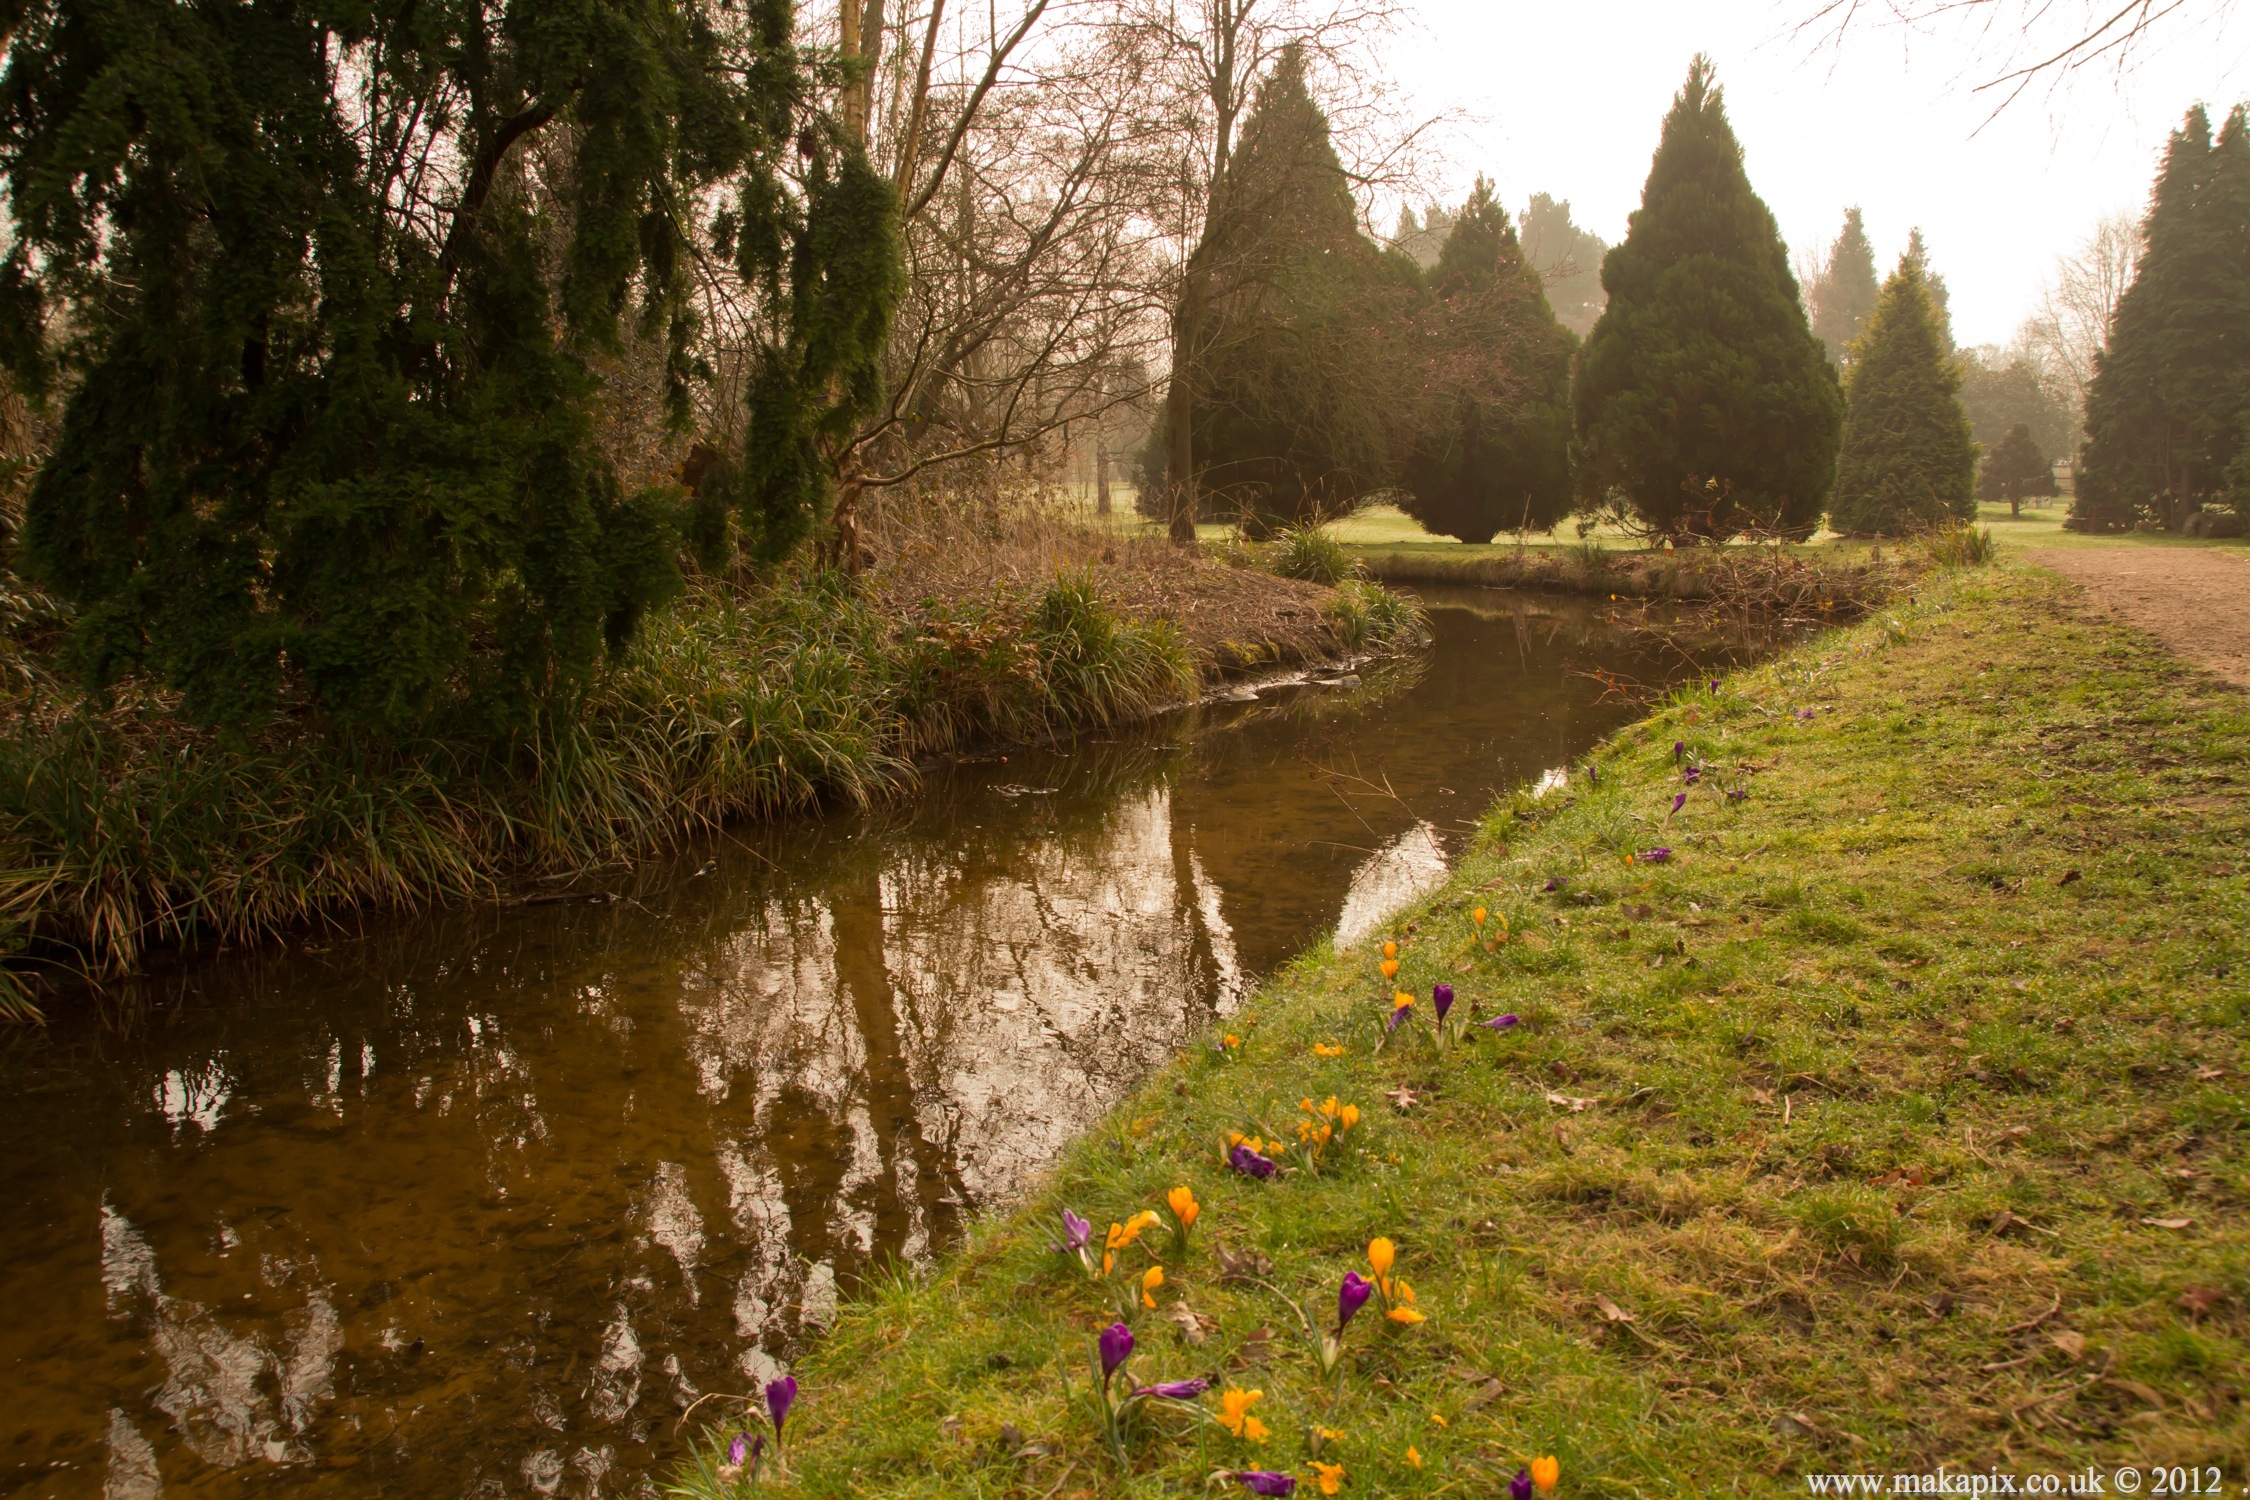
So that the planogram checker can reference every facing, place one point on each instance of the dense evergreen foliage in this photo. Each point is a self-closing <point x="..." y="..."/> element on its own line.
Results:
<point x="1842" y="296"/>
<point x="2016" y="470"/>
<point x="2001" y="393"/>
<point x="1704" y="403"/>
<point x="1907" y="461"/>
<point x="1300" y="378"/>
<point x="1568" y="259"/>
<point x="1496" y="454"/>
<point x="317" y="287"/>
<point x="2169" y="406"/>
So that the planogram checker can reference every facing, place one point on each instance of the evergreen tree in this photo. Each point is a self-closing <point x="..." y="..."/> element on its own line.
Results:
<point x="2000" y="393"/>
<point x="1568" y="260"/>
<point x="1941" y="300"/>
<point x="321" y="337"/>
<point x="1498" y="455"/>
<point x="1843" y="293"/>
<point x="2166" y="409"/>
<point x="2016" y="471"/>
<point x="1907" y="460"/>
<point x="1300" y="383"/>
<point x="1703" y="401"/>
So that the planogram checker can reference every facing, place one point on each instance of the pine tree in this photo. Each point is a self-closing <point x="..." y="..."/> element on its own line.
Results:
<point x="322" y="338"/>
<point x="2165" y="411"/>
<point x="1300" y="381"/>
<point x="2016" y="471"/>
<point x="1843" y="293"/>
<point x="1498" y="455"/>
<point x="1568" y="260"/>
<point x="1907" y="460"/>
<point x="1704" y="403"/>
<point x="1941" y="300"/>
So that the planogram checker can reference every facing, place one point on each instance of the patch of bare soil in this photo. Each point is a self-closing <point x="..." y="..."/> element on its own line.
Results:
<point x="1236" y="620"/>
<point x="2194" y="600"/>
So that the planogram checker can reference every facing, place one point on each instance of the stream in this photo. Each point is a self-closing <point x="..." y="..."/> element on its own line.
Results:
<point x="476" y="1203"/>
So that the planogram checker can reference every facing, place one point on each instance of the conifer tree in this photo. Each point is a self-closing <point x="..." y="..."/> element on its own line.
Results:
<point x="1843" y="293"/>
<point x="2165" y="411"/>
<point x="1568" y="259"/>
<point x="2016" y="471"/>
<point x="1704" y="403"/>
<point x="322" y="339"/>
<point x="1941" y="300"/>
<point x="1907" y="460"/>
<point x="1299" y="385"/>
<point x="1497" y="455"/>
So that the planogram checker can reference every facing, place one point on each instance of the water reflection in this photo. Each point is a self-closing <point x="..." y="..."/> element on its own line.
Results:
<point x="479" y="1204"/>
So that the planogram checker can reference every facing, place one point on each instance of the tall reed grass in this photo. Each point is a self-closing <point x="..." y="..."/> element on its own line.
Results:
<point x="125" y="828"/>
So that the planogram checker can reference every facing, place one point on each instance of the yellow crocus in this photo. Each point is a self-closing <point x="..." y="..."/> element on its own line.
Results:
<point x="1478" y="915"/>
<point x="1184" y="1206"/>
<point x="1151" y="1279"/>
<point x="1390" y="950"/>
<point x="1350" y="1114"/>
<point x="1380" y="1254"/>
<point x="1327" y="1049"/>
<point x="1439" y="1418"/>
<point x="1330" y="1476"/>
<point x="1406" y="1315"/>
<point x="1234" y="1414"/>
<point x="1230" y="1041"/>
<point x="1545" y="1472"/>
<point x="1413" y="1457"/>
<point x="1390" y="968"/>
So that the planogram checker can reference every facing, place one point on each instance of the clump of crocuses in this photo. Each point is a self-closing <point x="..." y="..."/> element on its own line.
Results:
<point x="1247" y="1155"/>
<point x="1323" y="1126"/>
<point x="1398" y="1297"/>
<point x="1118" y="1403"/>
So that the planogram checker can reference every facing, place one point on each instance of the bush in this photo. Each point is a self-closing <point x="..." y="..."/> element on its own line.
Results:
<point x="1364" y="613"/>
<point x="1960" y="547"/>
<point x="1310" y="553"/>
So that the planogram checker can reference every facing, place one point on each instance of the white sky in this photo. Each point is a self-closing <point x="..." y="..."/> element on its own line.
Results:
<point x="1566" y="99"/>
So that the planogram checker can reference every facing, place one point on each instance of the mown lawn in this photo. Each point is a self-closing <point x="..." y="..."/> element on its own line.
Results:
<point x="1894" y="1121"/>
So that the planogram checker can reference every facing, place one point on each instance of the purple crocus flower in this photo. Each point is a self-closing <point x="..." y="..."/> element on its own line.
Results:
<point x="1076" y="1231"/>
<point x="1351" y="1297"/>
<point x="1654" y="856"/>
<point x="1176" y="1390"/>
<point x="1714" y="684"/>
<point x="1502" y="1023"/>
<point x="1442" y="996"/>
<point x="1265" y="1482"/>
<point x="1692" y="775"/>
<point x="1593" y="774"/>
<point x="1679" y="800"/>
<point x="1116" y="1345"/>
<point x="1401" y="1013"/>
<point x="1804" y="713"/>
<point x="1679" y="748"/>
<point x="1519" y="1488"/>
<point x="1555" y="884"/>
<point x="780" y="1396"/>
<point x="1249" y="1163"/>
<point x="739" y="1450"/>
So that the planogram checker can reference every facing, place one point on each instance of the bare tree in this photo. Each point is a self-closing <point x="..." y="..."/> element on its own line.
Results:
<point x="2025" y="42"/>
<point x="2080" y="301"/>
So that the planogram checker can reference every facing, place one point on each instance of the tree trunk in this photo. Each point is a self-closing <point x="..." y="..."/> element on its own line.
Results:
<point x="1101" y="473"/>
<point x="1179" y="418"/>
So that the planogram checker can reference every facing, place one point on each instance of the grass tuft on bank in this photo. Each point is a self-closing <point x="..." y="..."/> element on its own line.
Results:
<point x="1892" y="1118"/>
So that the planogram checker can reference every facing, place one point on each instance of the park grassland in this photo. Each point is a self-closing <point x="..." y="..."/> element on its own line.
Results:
<point x="1894" y="1121"/>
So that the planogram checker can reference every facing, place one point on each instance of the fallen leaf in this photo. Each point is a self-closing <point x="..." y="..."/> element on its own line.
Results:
<point x="1256" y="1349"/>
<point x="1483" y="1396"/>
<point x="2208" y="1073"/>
<point x="2198" y="1300"/>
<point x="1762" y="1096"/>
<point x="1569" y="1102"/>
<point x="1243" y="1266"/>
<point x="2067" y="877"/>
<point x="1464" y="967"/>
<point x="1611" y="1312"/>
<point x="2070" y="1341"/>
<point x="2135" y="1388"/>
<point x="1795" y="1424"/>
<point x="1402" y="1098"/>
<point x="2169" y="1223"/>
<point x="1193" y="1325"/>
<point x="1940" y="1304"/>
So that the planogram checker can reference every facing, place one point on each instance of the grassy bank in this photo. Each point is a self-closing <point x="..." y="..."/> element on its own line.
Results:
<point x="1840" y="579"/>
<point x="1894" y="1120"/>
<point x="125" y="828"/>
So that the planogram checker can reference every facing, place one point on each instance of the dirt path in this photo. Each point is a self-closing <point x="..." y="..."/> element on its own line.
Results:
<point x="2195" y="601"/>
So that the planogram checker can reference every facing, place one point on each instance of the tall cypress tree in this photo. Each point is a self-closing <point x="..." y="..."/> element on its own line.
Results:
<point x="322" y="337"/>
<point x="1298" y="385"/>
<point x="1498" y="455"/>
<point x="1704" y="403"/>
<point x="2165" y="410"/>
<point x="1907" y="460"/>
<point x="1844" y="292"/>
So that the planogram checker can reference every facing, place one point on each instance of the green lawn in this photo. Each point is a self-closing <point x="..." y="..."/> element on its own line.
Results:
<point x="1895" y="1120"/>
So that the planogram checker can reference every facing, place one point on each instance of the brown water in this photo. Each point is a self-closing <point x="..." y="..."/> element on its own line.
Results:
<point x="477" y="1204"/>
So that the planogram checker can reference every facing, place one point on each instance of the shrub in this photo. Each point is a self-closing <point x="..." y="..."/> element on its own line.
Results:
<point x="1310" y="553"/>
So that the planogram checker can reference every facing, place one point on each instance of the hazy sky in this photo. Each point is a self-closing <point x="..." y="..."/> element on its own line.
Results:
<point x="1566" y="99"/>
